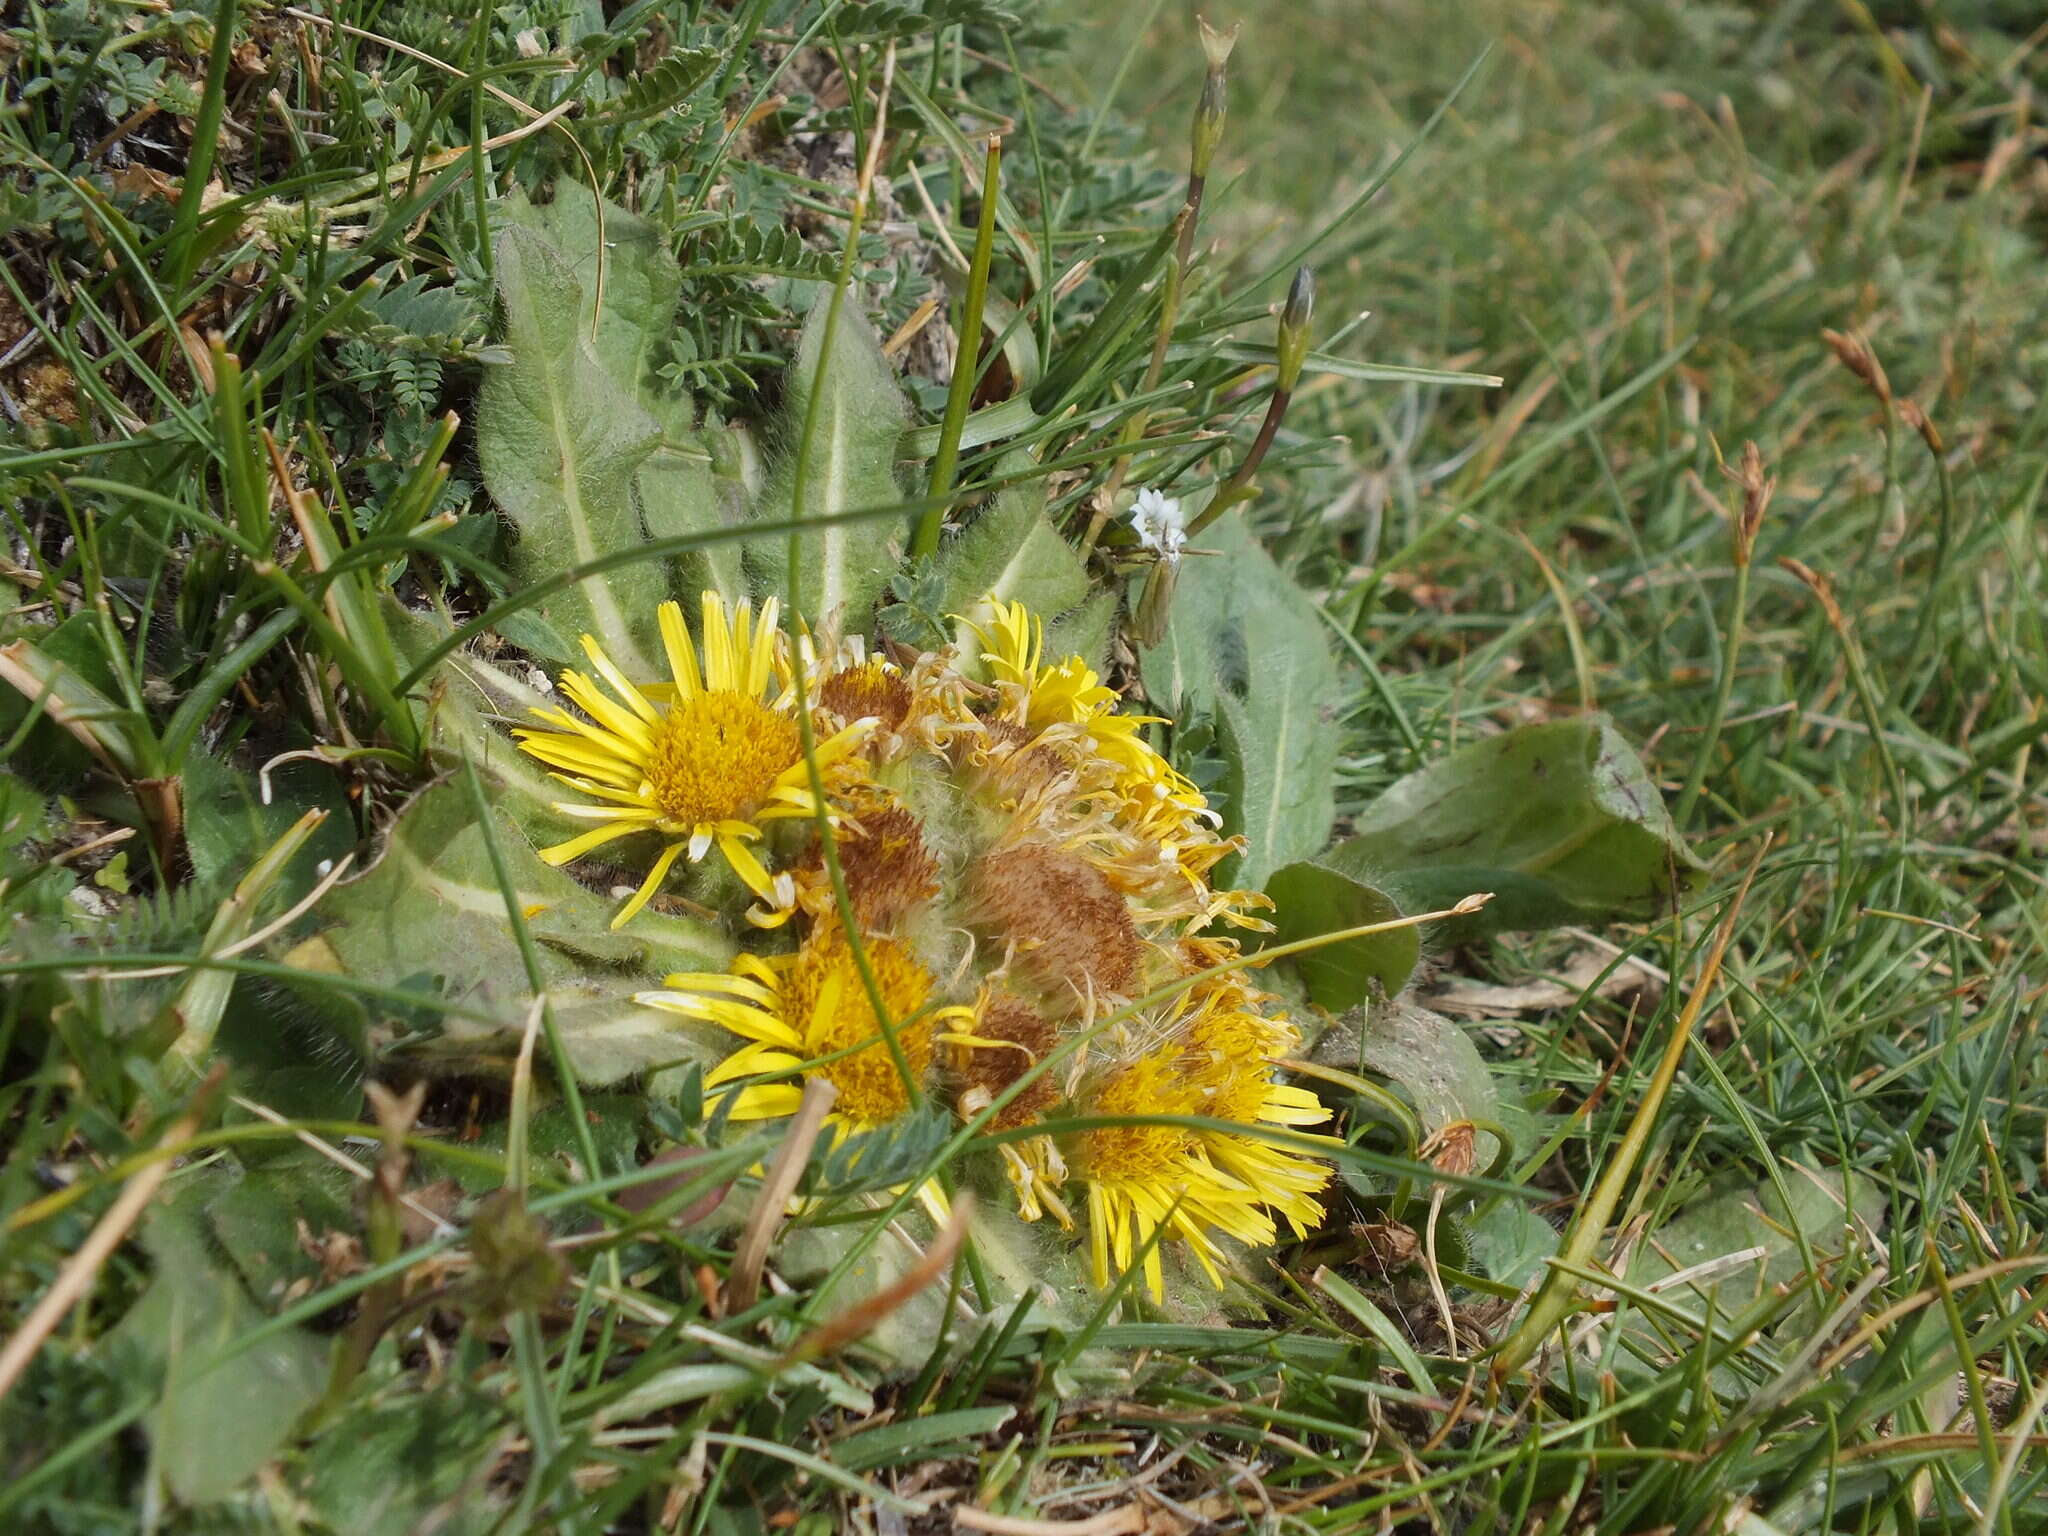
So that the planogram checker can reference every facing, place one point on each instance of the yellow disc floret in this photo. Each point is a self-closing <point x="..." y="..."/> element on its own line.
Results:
<point x="825" y="990"/>
<point x="717" y="757"/>
<point x="809" y="1014"/>
<point x="704" y="759"/>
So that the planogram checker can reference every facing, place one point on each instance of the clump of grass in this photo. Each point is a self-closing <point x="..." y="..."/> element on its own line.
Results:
<point x="1821" y="638"/>
<point x="1632" y="217"/>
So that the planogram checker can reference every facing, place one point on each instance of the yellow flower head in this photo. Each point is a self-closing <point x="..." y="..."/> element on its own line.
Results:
<point x="704" y="760"/>
<point x="809" y="1014"/>
<point x="1010" y="1038"/>
<point x="1013" y="819"/>
<point x="1209" y="1053"/>
<point x="1164" y="841"/>
<point x="1147" y="1183"/>
<point x="1064" y="693"/>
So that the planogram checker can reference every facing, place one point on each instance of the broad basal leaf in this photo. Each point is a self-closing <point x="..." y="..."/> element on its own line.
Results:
<point x="219" y="1419"/>
<point x="404" y="1461"/>
<point x="1243" y="642"/>
<point x="1433" y="1063"/>
<point x="431" y="914"/>
<point x="1509" y="1242"/>
<point x="230" y="815"/>
<point x="848" y="464"/>
<point x="642" y="284"/>
<point x="1558" y="820"/>
<point x="1433" y="1060"/>
<point x="1745" y="1242"/>
<point x="560" y="438"/>
<point x="1311" y="899"/>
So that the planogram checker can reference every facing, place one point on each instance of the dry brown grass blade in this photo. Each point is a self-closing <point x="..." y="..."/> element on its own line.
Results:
<point x="1129" y="1520"/>
<point x="76" y="1277"/>
<point x="836" y="1333"/>
<point x="743" y="1284"/>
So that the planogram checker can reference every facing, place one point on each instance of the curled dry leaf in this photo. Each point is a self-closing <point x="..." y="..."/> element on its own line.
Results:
<point x="644" y="1197"/>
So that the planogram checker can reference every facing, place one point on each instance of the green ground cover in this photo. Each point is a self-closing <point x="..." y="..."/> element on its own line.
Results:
<point x="1715" y="1206"/>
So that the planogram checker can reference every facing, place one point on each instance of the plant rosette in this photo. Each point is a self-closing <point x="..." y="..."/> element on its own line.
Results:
<point x="969" y="881"/>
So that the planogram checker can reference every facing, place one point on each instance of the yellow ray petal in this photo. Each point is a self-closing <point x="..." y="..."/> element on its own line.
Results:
<point x="597" y="837"/>
<point x="648" y="886"/>
<point x="617" y="680"/>
<point x="682" y="651"/>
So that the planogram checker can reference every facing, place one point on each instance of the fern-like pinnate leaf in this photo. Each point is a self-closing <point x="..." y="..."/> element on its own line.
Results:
<point x="661" y="89"/>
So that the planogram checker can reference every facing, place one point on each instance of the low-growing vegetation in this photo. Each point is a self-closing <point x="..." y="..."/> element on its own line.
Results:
<point x="958" y="764"/>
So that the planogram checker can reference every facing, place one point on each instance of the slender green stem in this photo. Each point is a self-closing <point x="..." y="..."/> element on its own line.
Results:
<point x="1239" y="487"/>
<point x="1134" y="429"/>
<point x="806" y="728"/>
<point x="1873" y="713"/>
<point x="966" y="358"/>
<point x="1555" y="1299"/>
<point x="205" y="138"/>
<point x="1724" y="693"/>
<point x="1930" y="599"/>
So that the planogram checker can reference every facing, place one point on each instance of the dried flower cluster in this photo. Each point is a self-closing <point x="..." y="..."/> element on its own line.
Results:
<point x="1029" y="931"/>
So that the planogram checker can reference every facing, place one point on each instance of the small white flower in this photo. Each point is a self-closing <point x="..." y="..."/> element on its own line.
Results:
<point x="1160" y="524"/>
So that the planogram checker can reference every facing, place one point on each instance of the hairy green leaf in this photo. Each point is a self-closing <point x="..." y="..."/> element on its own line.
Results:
<point x="1558" y="820"/>
<point x="431" y="909"/>
<point x="1084" y="631"/>
<point x="848" y="463"/>
<point x="1432" y="1059"/>
<point x="560" y="436"/>
<point x="643" y="283"/>
<point x="1244" y="642"/>
<point x="230" y="814"/>
<point x="218" y="1420"/>
<point x="408" y="1461"/>
<point x="1013" y="553"/>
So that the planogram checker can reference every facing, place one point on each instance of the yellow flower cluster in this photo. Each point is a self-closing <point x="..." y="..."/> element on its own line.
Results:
<point x="1032" y="916"/>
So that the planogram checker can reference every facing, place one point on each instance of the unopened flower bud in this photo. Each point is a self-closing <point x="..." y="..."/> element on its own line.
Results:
<point x="1209" y="114"/>
<point x="1854" y="354"/>
<point x="1216" y="45"/>
<point x="1215" y="103"/>
<point x="1292" y="347"/>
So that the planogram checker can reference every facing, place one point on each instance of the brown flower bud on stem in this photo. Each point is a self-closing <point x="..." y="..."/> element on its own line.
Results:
<point x="1451" y="1148"/>
<point x="1854" y="354"/>
<point x="517" y="1270"/>
<point x="1916" y="418"/>
<point x="1757" y="490"/>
